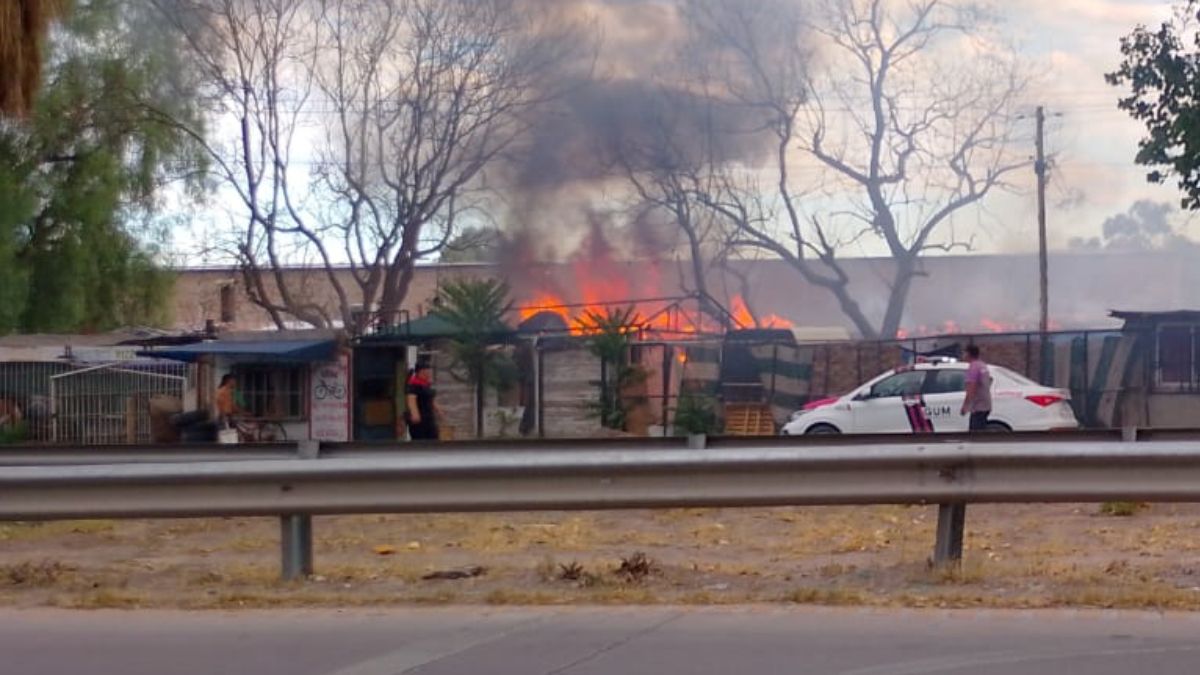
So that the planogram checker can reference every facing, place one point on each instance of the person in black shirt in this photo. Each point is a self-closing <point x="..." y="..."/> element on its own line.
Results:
<point x="423" y="412"/>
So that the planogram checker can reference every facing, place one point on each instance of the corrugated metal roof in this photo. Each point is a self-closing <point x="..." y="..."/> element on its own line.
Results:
<point x="1173" y="315"/>
<point x="289" y="351"/>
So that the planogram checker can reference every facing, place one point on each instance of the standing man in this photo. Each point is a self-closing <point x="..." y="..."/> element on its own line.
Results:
<point x="227" y="402"/>
<point x="978" y="403"/>
<point x="422" y="410"/>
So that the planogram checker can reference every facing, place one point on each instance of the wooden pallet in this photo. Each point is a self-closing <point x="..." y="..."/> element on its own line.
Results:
<point x="749" y="419"/>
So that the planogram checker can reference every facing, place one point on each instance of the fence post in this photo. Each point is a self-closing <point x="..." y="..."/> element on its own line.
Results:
<point x="53" y="410"/>
<point x="539" y="367"/>
<point x="948" y="548"/>
<point x="668" y="358"/>
<point x="296" y="531"/>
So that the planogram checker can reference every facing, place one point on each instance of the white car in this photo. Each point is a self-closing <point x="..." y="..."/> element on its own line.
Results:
<point x="927" y="397"/>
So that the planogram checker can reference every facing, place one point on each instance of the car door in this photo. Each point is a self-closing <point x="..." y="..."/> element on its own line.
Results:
<point x="945" y="390"/>
<point x="881" y="409"/>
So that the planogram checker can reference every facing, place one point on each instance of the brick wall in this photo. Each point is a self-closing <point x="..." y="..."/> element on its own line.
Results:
<point x="197" y="293"/>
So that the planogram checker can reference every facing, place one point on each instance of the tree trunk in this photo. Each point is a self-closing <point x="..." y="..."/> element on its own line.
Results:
<point x="897" y="299"/>
<point x="395" y="289"/>
<point x="851" y="309"/>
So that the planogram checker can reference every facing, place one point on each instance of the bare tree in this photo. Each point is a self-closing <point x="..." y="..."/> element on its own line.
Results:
<point x="667" y="189"/>
<point x="903" y="112"/>
<point x="396" y="107"/>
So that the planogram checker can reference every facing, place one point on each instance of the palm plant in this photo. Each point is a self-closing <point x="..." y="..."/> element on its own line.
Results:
<point x="475" y="309"/>
<point x="24" y="25"/>
<point x="610" y="335"/>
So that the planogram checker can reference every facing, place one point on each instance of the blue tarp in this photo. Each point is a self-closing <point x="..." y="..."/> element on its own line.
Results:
<point x="288" y="351"/>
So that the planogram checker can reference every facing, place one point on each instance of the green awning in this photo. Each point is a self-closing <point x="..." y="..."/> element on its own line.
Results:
<point x="423" y="329"/>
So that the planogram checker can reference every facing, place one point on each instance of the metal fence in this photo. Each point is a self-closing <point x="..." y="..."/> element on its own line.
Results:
<point x="1101" y="369"/>
<point x="101" y="404"/>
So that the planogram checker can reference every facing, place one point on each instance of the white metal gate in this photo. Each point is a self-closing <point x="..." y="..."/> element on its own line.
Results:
<point x="111" y="404"/>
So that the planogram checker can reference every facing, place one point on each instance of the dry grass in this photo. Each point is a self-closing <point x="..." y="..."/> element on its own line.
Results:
<point x="35" y="574"/>
<point x="11" y="532"/>
<point x="104" y="599"/>
<point x="1122" y="509"/>
<point x="834" y="596"/>
<point x="1045" y="556"/>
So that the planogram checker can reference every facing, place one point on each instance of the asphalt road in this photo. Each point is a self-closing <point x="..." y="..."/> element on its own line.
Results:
<point x="744" y="641"/>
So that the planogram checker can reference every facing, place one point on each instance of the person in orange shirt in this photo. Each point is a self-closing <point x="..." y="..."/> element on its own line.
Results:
<point x="227" y="401"/>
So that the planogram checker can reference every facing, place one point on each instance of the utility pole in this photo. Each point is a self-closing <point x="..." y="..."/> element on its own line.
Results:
<point x="1039" y="167"/>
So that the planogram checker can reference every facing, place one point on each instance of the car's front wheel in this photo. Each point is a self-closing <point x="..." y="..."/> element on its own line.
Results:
<point x="822" y="430"/>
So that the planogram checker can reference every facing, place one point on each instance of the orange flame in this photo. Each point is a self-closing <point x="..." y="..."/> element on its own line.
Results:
<point x="599" y="284"/>
<point x="545" y="302"/>
<point x="985" y="325"/>
<point x="652" y="315"/>
<point x="745" y="318"/>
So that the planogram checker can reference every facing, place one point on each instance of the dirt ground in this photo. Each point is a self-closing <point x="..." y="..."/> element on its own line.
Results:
<point x="1016" y="556"/>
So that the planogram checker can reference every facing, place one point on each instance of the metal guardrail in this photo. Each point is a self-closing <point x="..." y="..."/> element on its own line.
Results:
<point x="43" y="455"/>
<point x="770" y="472"/>
<point x="439" y="482"/>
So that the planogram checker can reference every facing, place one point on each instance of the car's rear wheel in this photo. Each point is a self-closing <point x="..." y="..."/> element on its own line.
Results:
<point x="822" y="430"/>
<point x="998" y="427"/>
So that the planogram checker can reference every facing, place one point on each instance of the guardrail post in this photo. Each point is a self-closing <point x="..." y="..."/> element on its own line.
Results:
<point x="296" y="544"/>
<point x="952" y="519"/>
<point x="308" y="449"/>
<point x="296" y="531"/>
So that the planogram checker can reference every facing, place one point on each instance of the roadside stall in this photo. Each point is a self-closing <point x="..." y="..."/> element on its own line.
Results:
<point x="290" y="385"/>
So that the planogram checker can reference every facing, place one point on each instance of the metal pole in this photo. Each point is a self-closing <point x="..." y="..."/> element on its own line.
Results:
<point x="668" y="357"/>
<point x="53" y="410"/>
<point x="1087" y="378"/>
<point x="774" y="370"/>
<point x="1039" y="168"/>
<point x="606" y="408"/>
<point x="952" y="519"/>
<point x="541" y="390"/>
<point x="1028" y="366"/>
<point x="296" y="546"/>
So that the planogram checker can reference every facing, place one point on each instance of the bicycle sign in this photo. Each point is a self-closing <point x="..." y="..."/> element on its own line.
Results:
<point x="329" y="390"/>
<point x="329" y="399"/>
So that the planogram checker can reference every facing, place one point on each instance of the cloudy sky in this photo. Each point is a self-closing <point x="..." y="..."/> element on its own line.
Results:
<point x="1070" y="45"/>
<point x="1074" y="42"/>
